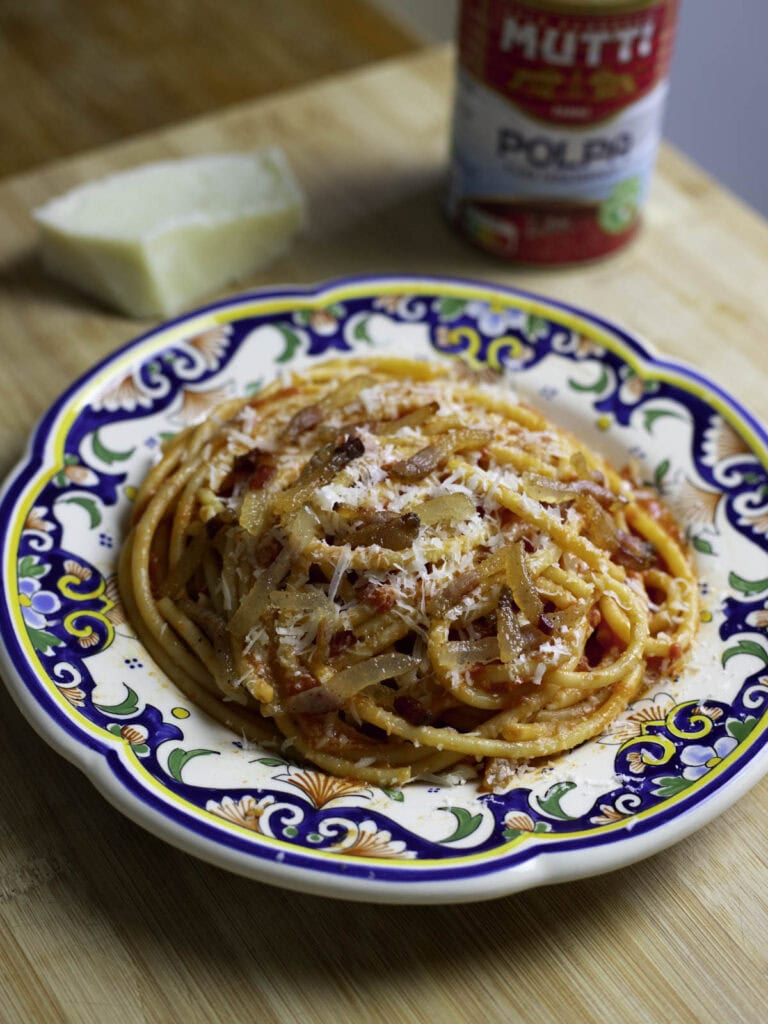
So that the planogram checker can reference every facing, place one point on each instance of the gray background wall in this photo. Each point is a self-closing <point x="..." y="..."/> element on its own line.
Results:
<point x="719" y="87"/>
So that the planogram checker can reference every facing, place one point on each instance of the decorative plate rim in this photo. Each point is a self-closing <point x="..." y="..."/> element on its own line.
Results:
<point x="113" y="770"/>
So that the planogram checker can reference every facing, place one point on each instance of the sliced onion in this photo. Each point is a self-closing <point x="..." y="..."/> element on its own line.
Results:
<point x="454" y="592"/>
<point x="458" y="653"/>
<point x="349" y="681"/>
<point x="418" y="465"/>
<point x="568" y="617"/>
<point x="601" y="528"/>
<point x="347" y="391"/>
<point x="520" y="583"/>
<point x="390" y="530"/>
<point x="409" y="419"/>
<point x="316" y="701"/>
<point x="556" y="492"/>
<point x="305" y="419"/>
<point x="633" y="552"/>
<point x="255" y="601"/>
<point x="510" y="637"/>
<point x="323" y="466"/>
<point x="254" y="512"/>
<point x="302" y="529"/>
<point x="448" y="508"/>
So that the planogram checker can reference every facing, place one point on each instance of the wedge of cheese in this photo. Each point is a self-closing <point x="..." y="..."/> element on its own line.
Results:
<point x="153" y="240"/>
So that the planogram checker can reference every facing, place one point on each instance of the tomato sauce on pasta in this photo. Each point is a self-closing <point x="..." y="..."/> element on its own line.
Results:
<point x="391" y="567"/>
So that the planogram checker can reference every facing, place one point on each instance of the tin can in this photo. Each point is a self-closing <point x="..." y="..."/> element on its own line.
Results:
<point x="557" y="122"/>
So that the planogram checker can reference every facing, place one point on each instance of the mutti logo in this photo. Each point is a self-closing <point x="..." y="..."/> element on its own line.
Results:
<point x="567" y="47"/>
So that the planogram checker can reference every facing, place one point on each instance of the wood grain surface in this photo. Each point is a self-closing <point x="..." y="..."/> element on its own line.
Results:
<point x="75" y="74"/>
<point x="99" y="919"/>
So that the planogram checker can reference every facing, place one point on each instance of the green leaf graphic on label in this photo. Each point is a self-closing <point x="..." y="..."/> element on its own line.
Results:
<point x="292" y="343"/>
<point x="107" y="454"/>
<point x="90" y="506"/>
<point x="702" y="546"/>
<point x="600" y="384"/>
<point x="740" y="730"/>
<point x="466" y="824"/>
<point x="127" y="706"/>
<point x="745" y="647"/>
<point x="619" y="211"/>
<point x="670" y="785"/>
<point x="178" y="759"/>
<point x="550" y="802"/>
<point x="747" y="586"/>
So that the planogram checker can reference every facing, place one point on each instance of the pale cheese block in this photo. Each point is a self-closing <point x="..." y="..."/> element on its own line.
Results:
<point x="153" y="240"/>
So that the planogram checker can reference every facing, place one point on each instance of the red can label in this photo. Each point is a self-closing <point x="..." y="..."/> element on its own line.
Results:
<point x="557" y="122"/>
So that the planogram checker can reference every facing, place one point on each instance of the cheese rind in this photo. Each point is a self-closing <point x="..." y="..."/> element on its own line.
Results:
<point x="155" y="239"/>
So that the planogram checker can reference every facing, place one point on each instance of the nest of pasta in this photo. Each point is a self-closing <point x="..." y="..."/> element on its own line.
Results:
<point x="391" y="568"/>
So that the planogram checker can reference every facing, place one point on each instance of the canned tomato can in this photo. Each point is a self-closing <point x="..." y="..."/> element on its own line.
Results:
<point x="557" y="122"/>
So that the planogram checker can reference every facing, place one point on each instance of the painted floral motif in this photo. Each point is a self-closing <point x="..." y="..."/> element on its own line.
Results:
<point x="38" y="605"/>
<point x="74" y="472"/>
<point x="664" y="744"/>
<point x="125" y="395"/>
<point x="518" y="823"/>
<point x="115" y="612"/>
<point x="368" y="840"/>
<point x="507" y="351"/>
<point x="247" y="811"/>
<point x="134" y="735"/>
<point x="608" y="815"/>
<point x="587" y="349"/>
<point x="759" y="618"/>
<point x="496" y="318"/>
<point x="324" y="322"/>
<point x="721" y="442"/>
<point x="320" y="788"/>
<point x="699" y="759"/>
<point x="389" y="303"/>
<point x="695" y="505"/>
<point x="637" y="761"/>
<point x="212" y="345"/>
<point x="634" y="388"/>
<point x="712" y="712"/>
<point x="196" y="403"/>
<point x="74" y="694"/>
<point x="77" y="569"/>
<point x="38" y="520"/>
<point x="642" y="713"/>
<point x="757" y="521"/>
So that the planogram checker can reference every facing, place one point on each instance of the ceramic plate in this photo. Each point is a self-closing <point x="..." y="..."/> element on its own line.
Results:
<point x="678" y="756"/>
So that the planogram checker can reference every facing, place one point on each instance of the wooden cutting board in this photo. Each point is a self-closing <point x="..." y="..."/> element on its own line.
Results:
<point x="100" y="919"/>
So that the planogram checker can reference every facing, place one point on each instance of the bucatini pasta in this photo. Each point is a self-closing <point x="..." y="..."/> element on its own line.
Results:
<point x="392" y="567"/>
